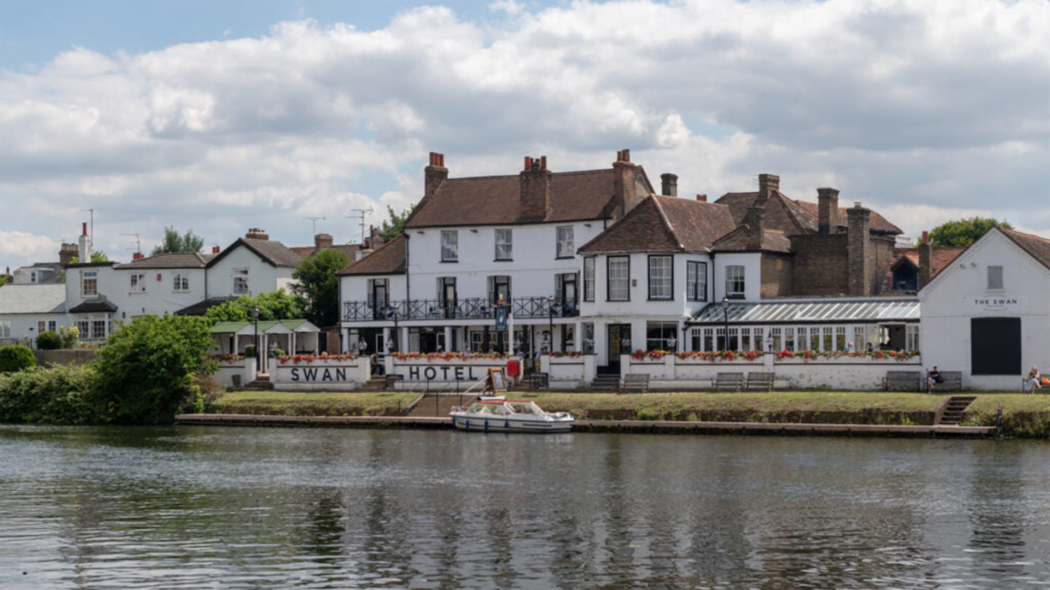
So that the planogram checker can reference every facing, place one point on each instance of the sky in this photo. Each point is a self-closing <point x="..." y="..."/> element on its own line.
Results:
<point x="220" y="116"/>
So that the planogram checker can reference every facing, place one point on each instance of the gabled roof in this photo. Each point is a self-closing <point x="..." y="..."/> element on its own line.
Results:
<point x="664" y="224"/>
<point x="878" y="222"/>
<point x="737" y="241"/>
<point x="170" y="260"/>
<point x="1036" y="246"/>
<point x="201" y="307"/>
<point x="389" y="259"/>
<point x="272" y="252"/>
<point x="308" y="251"/>
<point x="32" y="299"/>
<point x="496" y="200"/>
<point x="794" y="216"/>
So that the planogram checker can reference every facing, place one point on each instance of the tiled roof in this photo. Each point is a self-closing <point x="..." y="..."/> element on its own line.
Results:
<point x="270" y="251"/>
<point x="496" y="200"/>
<point x="939" y="259"/>
<point x="1037" y="246"/>
<point x="95" y="306"/>
<point x="795" y="216"/>
<point x="389" y="259"/>
<point x="308" y="251"/>
<point x="664" y="224"/>
<point x="32" y="299"/>
<point x="878" y="222"/>
<point x="737" y="241"/>
<point x="170" y="260"/>
<point x="201" y="307"/>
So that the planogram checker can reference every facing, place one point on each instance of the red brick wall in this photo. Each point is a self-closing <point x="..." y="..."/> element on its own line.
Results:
<point x="776" y="275"/>
<point x="820" y="265"/>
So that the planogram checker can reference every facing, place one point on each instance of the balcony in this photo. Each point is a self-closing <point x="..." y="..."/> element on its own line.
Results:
<point x="472" y="308"/>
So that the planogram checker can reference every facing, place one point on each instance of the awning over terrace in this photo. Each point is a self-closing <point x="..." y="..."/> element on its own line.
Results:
<point x="810" y="311"/>
<point x="290" y="336"/>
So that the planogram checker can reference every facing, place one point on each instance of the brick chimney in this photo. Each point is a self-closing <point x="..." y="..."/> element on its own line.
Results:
<point x="753" y="221"/>
<point x="701" y="198"/>
<point x="535" y="189"/>
<point x="925" y="260"/>
<point x="625" y="175"/>
<point x="215" y="249"/>
<point x="434" y="174"/>
<point x="66" y="253"/>
<point x="137" y="256"/>
<point x="828" y="210"/>
<point x="859" y="241"/>
<point x="669" y="184"/>
<point x="84" y="251"/>
<point x="257" y="234"/>
<point x="767" y="185"/>
<point x="323" y="241"/>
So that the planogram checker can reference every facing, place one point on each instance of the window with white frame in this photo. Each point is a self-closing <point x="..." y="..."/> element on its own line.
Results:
<point x="696" y="280"/>
<point x="776" y="339"/>
<point x="45" y="326"/>
<point x="911" y="337"/>
<point x="734" y="280"/>
<point x="619" y="278"/>
<point x="449" y="245"/>
<point x="661" y="336"/>
<point x="504" y="244"/>
<point x="840" y="337"/>
<point x="181" y="282"/>
<point x="98" y="329"/>
<point x="565" y="242"/>
<point x="84" y="328"/>
<point x="858" y="337"/>
<point x="240" y="281"/>
<point x="588" y="278"/>
<point x="5" y="329"/>
<point x="138" y="283"/>
<point x="661" y="278"/>
<point x="89" y="283"/>
<point x="995" y="278"/>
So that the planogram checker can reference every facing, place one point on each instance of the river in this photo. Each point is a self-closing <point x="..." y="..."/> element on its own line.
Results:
<point x="211" y="507"/>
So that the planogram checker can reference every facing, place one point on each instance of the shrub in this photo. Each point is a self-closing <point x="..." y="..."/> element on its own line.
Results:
<point x="56" y="394"/>
<point x="70" y="336"/>
<point x="16" y="358"/>
<point x="147" y="369"/>
<point x="48" y="341"/>
<point x="249" y="351"/>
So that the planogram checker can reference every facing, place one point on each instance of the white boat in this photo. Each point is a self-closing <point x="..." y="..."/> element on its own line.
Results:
<point x="498" y="414"/>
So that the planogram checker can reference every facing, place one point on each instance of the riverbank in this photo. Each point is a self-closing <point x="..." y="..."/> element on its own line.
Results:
<point x="1025" y="416"/>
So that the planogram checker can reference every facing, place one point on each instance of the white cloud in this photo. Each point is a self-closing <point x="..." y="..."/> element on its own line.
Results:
<point x="940" y="104"/>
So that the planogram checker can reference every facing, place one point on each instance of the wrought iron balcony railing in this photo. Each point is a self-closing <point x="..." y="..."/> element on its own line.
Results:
<point x="471" y="308"/>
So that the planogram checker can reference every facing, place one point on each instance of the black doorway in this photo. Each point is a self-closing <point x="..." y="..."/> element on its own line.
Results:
<point x="617" y="333"/>
<point x="995" y="346"/>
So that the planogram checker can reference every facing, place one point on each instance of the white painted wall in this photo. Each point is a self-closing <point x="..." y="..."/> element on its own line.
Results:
<point x="640" y="304"/>
<point x="752" y="263"/>
<point x="262" y="277"/>
<point x="951" y="300"/>
<point x="160" y="296"/>
<point x="25" y="325"/>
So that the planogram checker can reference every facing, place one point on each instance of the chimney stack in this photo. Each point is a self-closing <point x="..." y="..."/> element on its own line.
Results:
<point x="84" y="253"/>
<point x="767" y="185"/>
<point x="535" y="189"/>
<point x="925" y="260"/>
<point x="214" y="249"/>
<point x="828" y="210"/>
<point x="669" y="184"/>
<point x="701" y="198"/>
<point x="625" y="190"/>
<point x="257" y="234"/>
<point x="753" y="221"/>
<point x="66" y="253"/>
<point x="434" y="174"/>
<point x="859" y="249"/>
<point x="137" y="256"/>
<point x="322" y="241"/>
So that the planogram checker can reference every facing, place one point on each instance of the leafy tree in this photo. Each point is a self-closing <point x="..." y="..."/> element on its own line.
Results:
<point x="963" y="232"/>
<point x="96" y="256"/>
<point x="173" y="242"/>
<point x="3" y="279"/>
<point x="57" y="394"/>
<point x="147" y="369"/>
<point x="16" y="358"/>
<point x="275" y="305"/>
<point x="319" y="285"/>
<point x="395" y="226"/>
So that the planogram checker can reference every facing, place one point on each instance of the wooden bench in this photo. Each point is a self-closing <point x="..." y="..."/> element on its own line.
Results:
<point x="950" y="381"/>
<point x="391" y="380"/>
<point x="537" y="381"/>
<point x="759" y="382"/>
<point x="635" y="381"/>
<point x="903" y="381"/>
<point x="728" y="382"/>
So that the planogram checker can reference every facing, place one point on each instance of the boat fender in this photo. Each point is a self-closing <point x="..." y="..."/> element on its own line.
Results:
<point x="486" y="425"/>
<point x="467" y="425"/>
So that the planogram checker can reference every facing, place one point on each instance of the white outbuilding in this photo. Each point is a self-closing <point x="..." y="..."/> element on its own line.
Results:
<point x="988" y="313"/>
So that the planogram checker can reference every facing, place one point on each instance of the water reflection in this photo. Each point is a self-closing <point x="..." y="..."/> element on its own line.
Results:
<point x="248" y="508"/>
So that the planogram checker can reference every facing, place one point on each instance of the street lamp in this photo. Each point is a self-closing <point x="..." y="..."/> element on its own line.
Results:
<point x="725" y="311"/>
<point x="255" y="340"/>
<point x="552" y="305"/>
<point x="671" y="342"/>
<point x="391" y="312"/>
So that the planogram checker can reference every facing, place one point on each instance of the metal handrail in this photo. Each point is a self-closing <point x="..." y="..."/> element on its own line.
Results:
<point x="470" y="308"/>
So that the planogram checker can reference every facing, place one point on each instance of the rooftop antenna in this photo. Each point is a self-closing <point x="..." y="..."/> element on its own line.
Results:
<point x="360" y="213"/>
<point x="315" y="220"/>
<point x="92" y="211"/>
<point x="138" y="244"/>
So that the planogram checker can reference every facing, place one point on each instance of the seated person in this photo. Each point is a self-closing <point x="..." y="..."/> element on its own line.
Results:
<point x="932" y="377"/>
<point x="1034" y="380"/>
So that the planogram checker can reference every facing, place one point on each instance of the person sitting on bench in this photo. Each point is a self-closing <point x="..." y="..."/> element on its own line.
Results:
<point x="932" y="377"/>
<point x="1034" y="380"/>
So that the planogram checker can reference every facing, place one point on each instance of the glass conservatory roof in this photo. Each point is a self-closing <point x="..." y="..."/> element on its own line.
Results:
<point x="817" y="311"/>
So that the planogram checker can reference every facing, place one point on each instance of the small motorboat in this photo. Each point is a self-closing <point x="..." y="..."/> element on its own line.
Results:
<point x="498" y="414"/>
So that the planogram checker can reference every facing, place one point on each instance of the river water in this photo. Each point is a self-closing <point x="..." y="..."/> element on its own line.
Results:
<point x="210" y="507"/>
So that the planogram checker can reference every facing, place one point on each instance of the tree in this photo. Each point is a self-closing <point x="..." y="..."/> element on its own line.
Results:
<point x="146" y="370"/>
<point x="16" y="358"/>
<point x="96" y="256"/>
<point x="3" y="279"/>
<point x="275" y="305"/>
<point x="173" y="242"/>
<point x="395" y="226"/>
<point x="319" y="285"/>
<point x="963" y="232"/>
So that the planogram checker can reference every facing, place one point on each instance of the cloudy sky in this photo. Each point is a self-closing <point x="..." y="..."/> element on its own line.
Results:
<point x="220" y="116"/>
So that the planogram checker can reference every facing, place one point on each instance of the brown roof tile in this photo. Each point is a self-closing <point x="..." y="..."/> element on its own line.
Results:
<point x="389" y="259"/>
<point x="737" y="241"/>
<point x="270" y="251"/>
<point x="664" y="224"/>
<point x="170" y="260"/>
<point x="1038" y="247"/>
<point x="939" y="259"/>
<point x="878" y="222"/>
<point x="794" y="216"/>
<point x="307" y="251"/>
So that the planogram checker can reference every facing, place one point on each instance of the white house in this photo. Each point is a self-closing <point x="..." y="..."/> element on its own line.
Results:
<point x="159" y="284"/>
<point x="28" y="310"/>
<point x="988" y="313"/>
<point x="251" y="265"/>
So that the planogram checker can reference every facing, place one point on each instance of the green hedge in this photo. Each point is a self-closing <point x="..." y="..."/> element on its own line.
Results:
<point x="58" y="395"/>
<point x="16" y="358"/>
<point x="48" y="341"/>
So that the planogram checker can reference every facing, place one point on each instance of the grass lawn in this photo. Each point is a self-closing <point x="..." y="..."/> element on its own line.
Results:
<point x="283" y="403"/>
